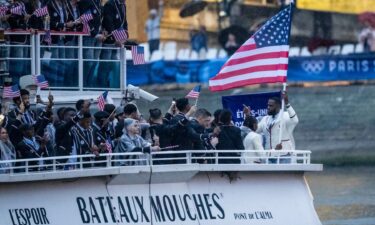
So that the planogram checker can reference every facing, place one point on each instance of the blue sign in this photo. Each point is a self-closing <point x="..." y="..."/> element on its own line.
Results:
<point x="257" y="102"/>
<point x="332" y="68"/>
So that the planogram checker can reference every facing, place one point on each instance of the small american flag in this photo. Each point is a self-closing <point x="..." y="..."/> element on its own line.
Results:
<point x="18" y="10"/>
<point x="40" y="81"/>
<point x="86" y="17"/>
<point x="41" y="12"/>
<point x="11" y="91"/>
<point x="108" y="145"/>
<point x="86" y="28"/>
<point x="194" y="93"/>
<point x="101" y="100"/>
<point x="120" y="35"/>
<point x="261" y="59"/>
<point x="47" y="37"/>
<point x="138" y="54"/>
<point x="3" y="10"/>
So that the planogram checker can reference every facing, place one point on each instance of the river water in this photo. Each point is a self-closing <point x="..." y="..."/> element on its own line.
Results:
<point x="344" y="195"/>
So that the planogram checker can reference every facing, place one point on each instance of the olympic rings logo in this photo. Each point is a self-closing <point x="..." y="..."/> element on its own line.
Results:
<point x="313" y="66"/>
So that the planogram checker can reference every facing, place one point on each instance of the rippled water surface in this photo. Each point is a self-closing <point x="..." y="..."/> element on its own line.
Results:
<point x="345" y="195"/>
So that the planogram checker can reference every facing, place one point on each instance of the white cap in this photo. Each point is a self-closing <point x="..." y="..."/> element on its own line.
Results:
<point x="153" y="12"/>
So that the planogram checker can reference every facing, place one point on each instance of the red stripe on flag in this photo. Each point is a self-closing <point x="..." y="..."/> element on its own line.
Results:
<point x="270" y="55"/>
<point x="251" y="70"/>
<point x="275" y="79"/>
<point x="245" y="48"/>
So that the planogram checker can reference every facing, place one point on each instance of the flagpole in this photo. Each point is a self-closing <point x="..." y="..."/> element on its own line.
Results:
<point x="284" y="84"/>
<point x="196" y="101"/>
<point x="281" y="115"/>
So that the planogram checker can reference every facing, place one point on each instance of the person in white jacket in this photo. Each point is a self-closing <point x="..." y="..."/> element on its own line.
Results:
<point x="252" y="141"/>
<point x="275" y="122"/>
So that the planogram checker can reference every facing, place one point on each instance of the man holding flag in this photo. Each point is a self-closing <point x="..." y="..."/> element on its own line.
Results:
<point x="264" y="59"/>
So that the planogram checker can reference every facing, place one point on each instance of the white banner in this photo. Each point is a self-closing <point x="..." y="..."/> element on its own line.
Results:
<point x="210" y="198"/>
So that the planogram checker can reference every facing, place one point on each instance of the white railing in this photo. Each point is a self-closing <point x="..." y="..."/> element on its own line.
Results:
<point x="216" y="157"/>
<point x="36" y="59"/>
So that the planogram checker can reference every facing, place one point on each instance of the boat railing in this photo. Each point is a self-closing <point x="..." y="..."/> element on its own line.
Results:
<point x="131" y="159"/>
<point x="74" y="67"/>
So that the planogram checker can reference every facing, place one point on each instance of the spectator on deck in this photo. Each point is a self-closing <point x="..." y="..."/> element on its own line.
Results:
<point x="113" y="18"/>
<point x="131" y="141"/>
<point x="252" y="141"/>
<point x="152" y="27"/>
<point x="130" y="111"/>
<point x="201" y="123"/>
<point x="229" y="138"/>
<point x="7" y="149"/>
<point x="31" y="146"/>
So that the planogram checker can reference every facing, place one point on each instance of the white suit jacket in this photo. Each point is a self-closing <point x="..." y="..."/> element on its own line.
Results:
<point x="252" y="141"/>
<point x="270" y="127"/>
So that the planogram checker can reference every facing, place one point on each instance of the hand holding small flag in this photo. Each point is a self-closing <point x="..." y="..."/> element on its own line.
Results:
<point x="138" y="54"/>
<point x="194" y="93"/>
<point x="40" y="81"/>
<point x="41" y="12"/>
<point x="11" y="91"/>
<point x="102" y="100"/>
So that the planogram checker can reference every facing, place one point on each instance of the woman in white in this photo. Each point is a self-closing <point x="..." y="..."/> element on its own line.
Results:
<point x="252" y="141"/>
<point x="131" y="141"/>
<point x="8" y="151"/>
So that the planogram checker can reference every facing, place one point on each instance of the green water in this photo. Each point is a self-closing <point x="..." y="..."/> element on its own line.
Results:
<point x="344" y="195"/>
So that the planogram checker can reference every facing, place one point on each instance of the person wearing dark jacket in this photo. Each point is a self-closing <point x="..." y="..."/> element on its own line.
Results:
<point x="114" y="17"/>
<point x="31" y="146"/>
<point x="95" y="39"/>
<point x="161" y="133"/>
<point x="229" y="139"/>
<point x="185" y="136"/>
<point x="61" y="19"/>
<point x="100" y="131"/>
<point x="201" y="124"/>
<point x="18" y="68"/>
<point x="64" y="140"/>
<point x="22" y="114"/>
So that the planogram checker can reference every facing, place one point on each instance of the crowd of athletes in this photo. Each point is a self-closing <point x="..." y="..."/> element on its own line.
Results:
<point x="73" y="131"/>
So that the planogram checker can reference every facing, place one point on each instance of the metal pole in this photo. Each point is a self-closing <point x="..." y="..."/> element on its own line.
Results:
<point x="282" y="114"/>
<point x="32" y="54"/>
<point x="80" y="63"/>
<point x="37" y="55"/>
<point x="123" y="69"/>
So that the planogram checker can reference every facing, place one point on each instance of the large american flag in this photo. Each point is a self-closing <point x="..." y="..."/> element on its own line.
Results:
<point x="101" y="100"/>
<point x="120" y="35"/>
<point x="40" y="81"/>
<point x="41" y="12"/>
<point x="261" y="59"/>
<point x="3" y="10"/>
<point x="138" y="54"/>
<point x="11" y="91"/>
<point x="18" y="10"/>
<point x="194" y="93"/>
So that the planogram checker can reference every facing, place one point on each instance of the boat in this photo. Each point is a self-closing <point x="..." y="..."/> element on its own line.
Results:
<point x="89" y="190"/>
